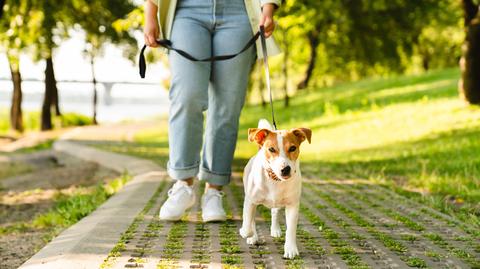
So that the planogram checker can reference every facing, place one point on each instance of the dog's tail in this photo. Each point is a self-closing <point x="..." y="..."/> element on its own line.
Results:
<point x="264" y="124"/>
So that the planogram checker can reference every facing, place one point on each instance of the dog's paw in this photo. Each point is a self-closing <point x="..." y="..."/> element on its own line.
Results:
<point x="244" y="233"/>
<point x="275" y="231"/>
<point x="252" y="240"/>
<point x="291" y="251"/>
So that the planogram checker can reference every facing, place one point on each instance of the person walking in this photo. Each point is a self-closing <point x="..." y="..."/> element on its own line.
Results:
<point x="206" y="28"/>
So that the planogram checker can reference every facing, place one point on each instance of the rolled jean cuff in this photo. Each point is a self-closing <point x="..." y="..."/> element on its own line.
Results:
<point x="182" y="173"/>
<point x="214" y="178"/>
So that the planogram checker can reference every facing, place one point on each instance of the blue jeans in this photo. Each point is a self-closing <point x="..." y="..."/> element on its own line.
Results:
<point x="204" y="28"/>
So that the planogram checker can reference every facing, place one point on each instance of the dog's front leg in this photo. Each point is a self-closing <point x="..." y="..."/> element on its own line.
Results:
<point x="248" y="217"/>
<point x="291" y="216"/>
<point x="275" y="230"/>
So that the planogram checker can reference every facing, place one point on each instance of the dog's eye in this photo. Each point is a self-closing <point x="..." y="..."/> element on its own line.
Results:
<point x="292" y="149"/>
<point x="272" y="150"/>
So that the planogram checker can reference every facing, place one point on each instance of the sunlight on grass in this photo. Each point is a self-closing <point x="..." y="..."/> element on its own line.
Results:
<point x="410" y="131"/>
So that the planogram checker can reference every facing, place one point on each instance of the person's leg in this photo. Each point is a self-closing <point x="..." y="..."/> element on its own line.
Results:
<point x="188" y="96"/>
<point x="188" y="101"/>
<point x="227" y="92"/>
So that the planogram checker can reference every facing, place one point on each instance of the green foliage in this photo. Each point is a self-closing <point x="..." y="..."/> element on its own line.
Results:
<point x="354" y="39"/>
<point x="74" y="119"/>
<point x="31" y="121"/>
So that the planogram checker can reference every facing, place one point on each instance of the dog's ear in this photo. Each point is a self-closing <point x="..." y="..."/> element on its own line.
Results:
<point x="257" y="135"/>
<point x="302" y="134"/>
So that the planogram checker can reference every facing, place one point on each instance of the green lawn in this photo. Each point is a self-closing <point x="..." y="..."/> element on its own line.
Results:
<point x="31" y="121"/>
<point x="409" y="132"/>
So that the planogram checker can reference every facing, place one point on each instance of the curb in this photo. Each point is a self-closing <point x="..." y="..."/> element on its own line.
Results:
<point x="88" y="242"/>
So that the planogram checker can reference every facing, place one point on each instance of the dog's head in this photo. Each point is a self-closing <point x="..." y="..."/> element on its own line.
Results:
<point x="281" y="148"/>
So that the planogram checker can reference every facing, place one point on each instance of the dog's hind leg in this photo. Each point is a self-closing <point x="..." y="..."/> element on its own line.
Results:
<point x="249" y="210"/>
<point x="275" y="230"/>
<point x="254" y="238"/>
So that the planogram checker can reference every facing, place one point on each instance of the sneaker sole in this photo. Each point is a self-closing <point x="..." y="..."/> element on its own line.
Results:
<point x="177" y="218"/>
<point x="214" y="218"/>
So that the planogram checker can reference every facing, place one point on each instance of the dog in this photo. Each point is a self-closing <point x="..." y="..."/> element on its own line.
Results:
<point x="272" y="178"/>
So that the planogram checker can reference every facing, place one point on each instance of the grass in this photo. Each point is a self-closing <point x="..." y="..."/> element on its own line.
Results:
<point x="31" y="120"/>
<point x="410" y="133"/>
<point x="69" y="209"/>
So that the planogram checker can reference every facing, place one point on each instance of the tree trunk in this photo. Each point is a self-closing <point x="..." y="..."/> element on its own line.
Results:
<point x="16" y="119"/>
<point x="285" y="67"/>
<point x="2" y="2"/>
<point x="469" y="85"/>
<point x="55" y="98"/>
<point x="48" y="98"/>
<point x="94" y="81"/>
<point x="313" y="41"/>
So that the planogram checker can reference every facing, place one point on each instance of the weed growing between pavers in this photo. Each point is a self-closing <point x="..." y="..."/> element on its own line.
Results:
<point x="388" y="241"/>
<point x="340" y="246"/>
<point x="437" y="239"/>
<point x="131" y="230"/>
<point x="174" y="245"/>
<point x="448" y="220"/>
<point x="201" y="240"/>
<point x="229" y="244"/>
<point x="258" y="251"/>
<point x="350" y="232"/>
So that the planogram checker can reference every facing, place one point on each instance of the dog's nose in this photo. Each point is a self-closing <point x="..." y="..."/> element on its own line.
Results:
<point x="286" y="170"/>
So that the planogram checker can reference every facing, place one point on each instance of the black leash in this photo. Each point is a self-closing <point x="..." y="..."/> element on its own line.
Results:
<point x="168" y="45"/>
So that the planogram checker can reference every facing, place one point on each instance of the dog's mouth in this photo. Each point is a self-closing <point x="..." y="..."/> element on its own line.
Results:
<point x="273" y="176"/>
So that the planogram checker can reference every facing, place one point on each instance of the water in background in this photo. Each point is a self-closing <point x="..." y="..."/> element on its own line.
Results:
<point x="125" y="101"/>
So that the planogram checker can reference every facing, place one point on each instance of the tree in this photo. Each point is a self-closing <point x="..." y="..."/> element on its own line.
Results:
<point x="469" y="85"/>
<point x="56" y="21"/>
<point x="111" y="25"/>
<point x="354" y="37"/>
<point x="2" y="3"/>
<point x="18" y="30"/>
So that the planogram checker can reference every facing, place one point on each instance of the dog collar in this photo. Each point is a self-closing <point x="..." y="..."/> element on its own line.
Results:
<point x="272" y="174"/>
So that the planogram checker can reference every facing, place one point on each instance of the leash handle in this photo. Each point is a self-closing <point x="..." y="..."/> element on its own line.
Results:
<point x="267" y="71"/>
<point x="168" y="45"/>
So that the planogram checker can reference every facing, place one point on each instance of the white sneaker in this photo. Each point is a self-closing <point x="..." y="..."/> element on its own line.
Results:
<point x="180" y="198"/>
<point x="212" y="207"/>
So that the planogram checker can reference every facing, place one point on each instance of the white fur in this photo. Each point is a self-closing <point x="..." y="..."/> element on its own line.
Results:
<point x="259" y="189"/>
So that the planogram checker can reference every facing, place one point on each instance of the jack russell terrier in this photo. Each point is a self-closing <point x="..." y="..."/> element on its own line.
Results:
<point x="272" y="178"/>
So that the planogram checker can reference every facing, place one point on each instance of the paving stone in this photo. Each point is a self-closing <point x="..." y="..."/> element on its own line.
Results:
<point x="343" y="224"/>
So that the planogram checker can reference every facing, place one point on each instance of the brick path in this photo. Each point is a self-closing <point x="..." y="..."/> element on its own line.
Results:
<point x="343" y="224"/>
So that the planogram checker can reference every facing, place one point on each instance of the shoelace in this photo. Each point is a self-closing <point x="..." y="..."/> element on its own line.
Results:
<point x="219" y="194"/>
<point x="176" y="189"/>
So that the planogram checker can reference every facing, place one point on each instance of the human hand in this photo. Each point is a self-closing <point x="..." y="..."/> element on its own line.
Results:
<point x="266" y="19"/>
<point x="151" y="29"/>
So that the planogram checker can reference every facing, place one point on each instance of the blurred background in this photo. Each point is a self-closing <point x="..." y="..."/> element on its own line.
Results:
<point x="78" y="58"/>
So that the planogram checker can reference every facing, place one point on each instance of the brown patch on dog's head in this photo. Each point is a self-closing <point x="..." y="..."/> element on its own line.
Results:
<point x="271" y="146"/>
<point x="258" y="135"/>
<point x="302" y="134"/>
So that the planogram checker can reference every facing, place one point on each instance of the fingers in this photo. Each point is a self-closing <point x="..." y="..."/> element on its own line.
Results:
<point x="150" y="40"/>
<point x="268" y="24"/>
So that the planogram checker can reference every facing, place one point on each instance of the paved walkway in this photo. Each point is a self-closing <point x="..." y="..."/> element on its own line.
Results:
<point x="343" y="224"/>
